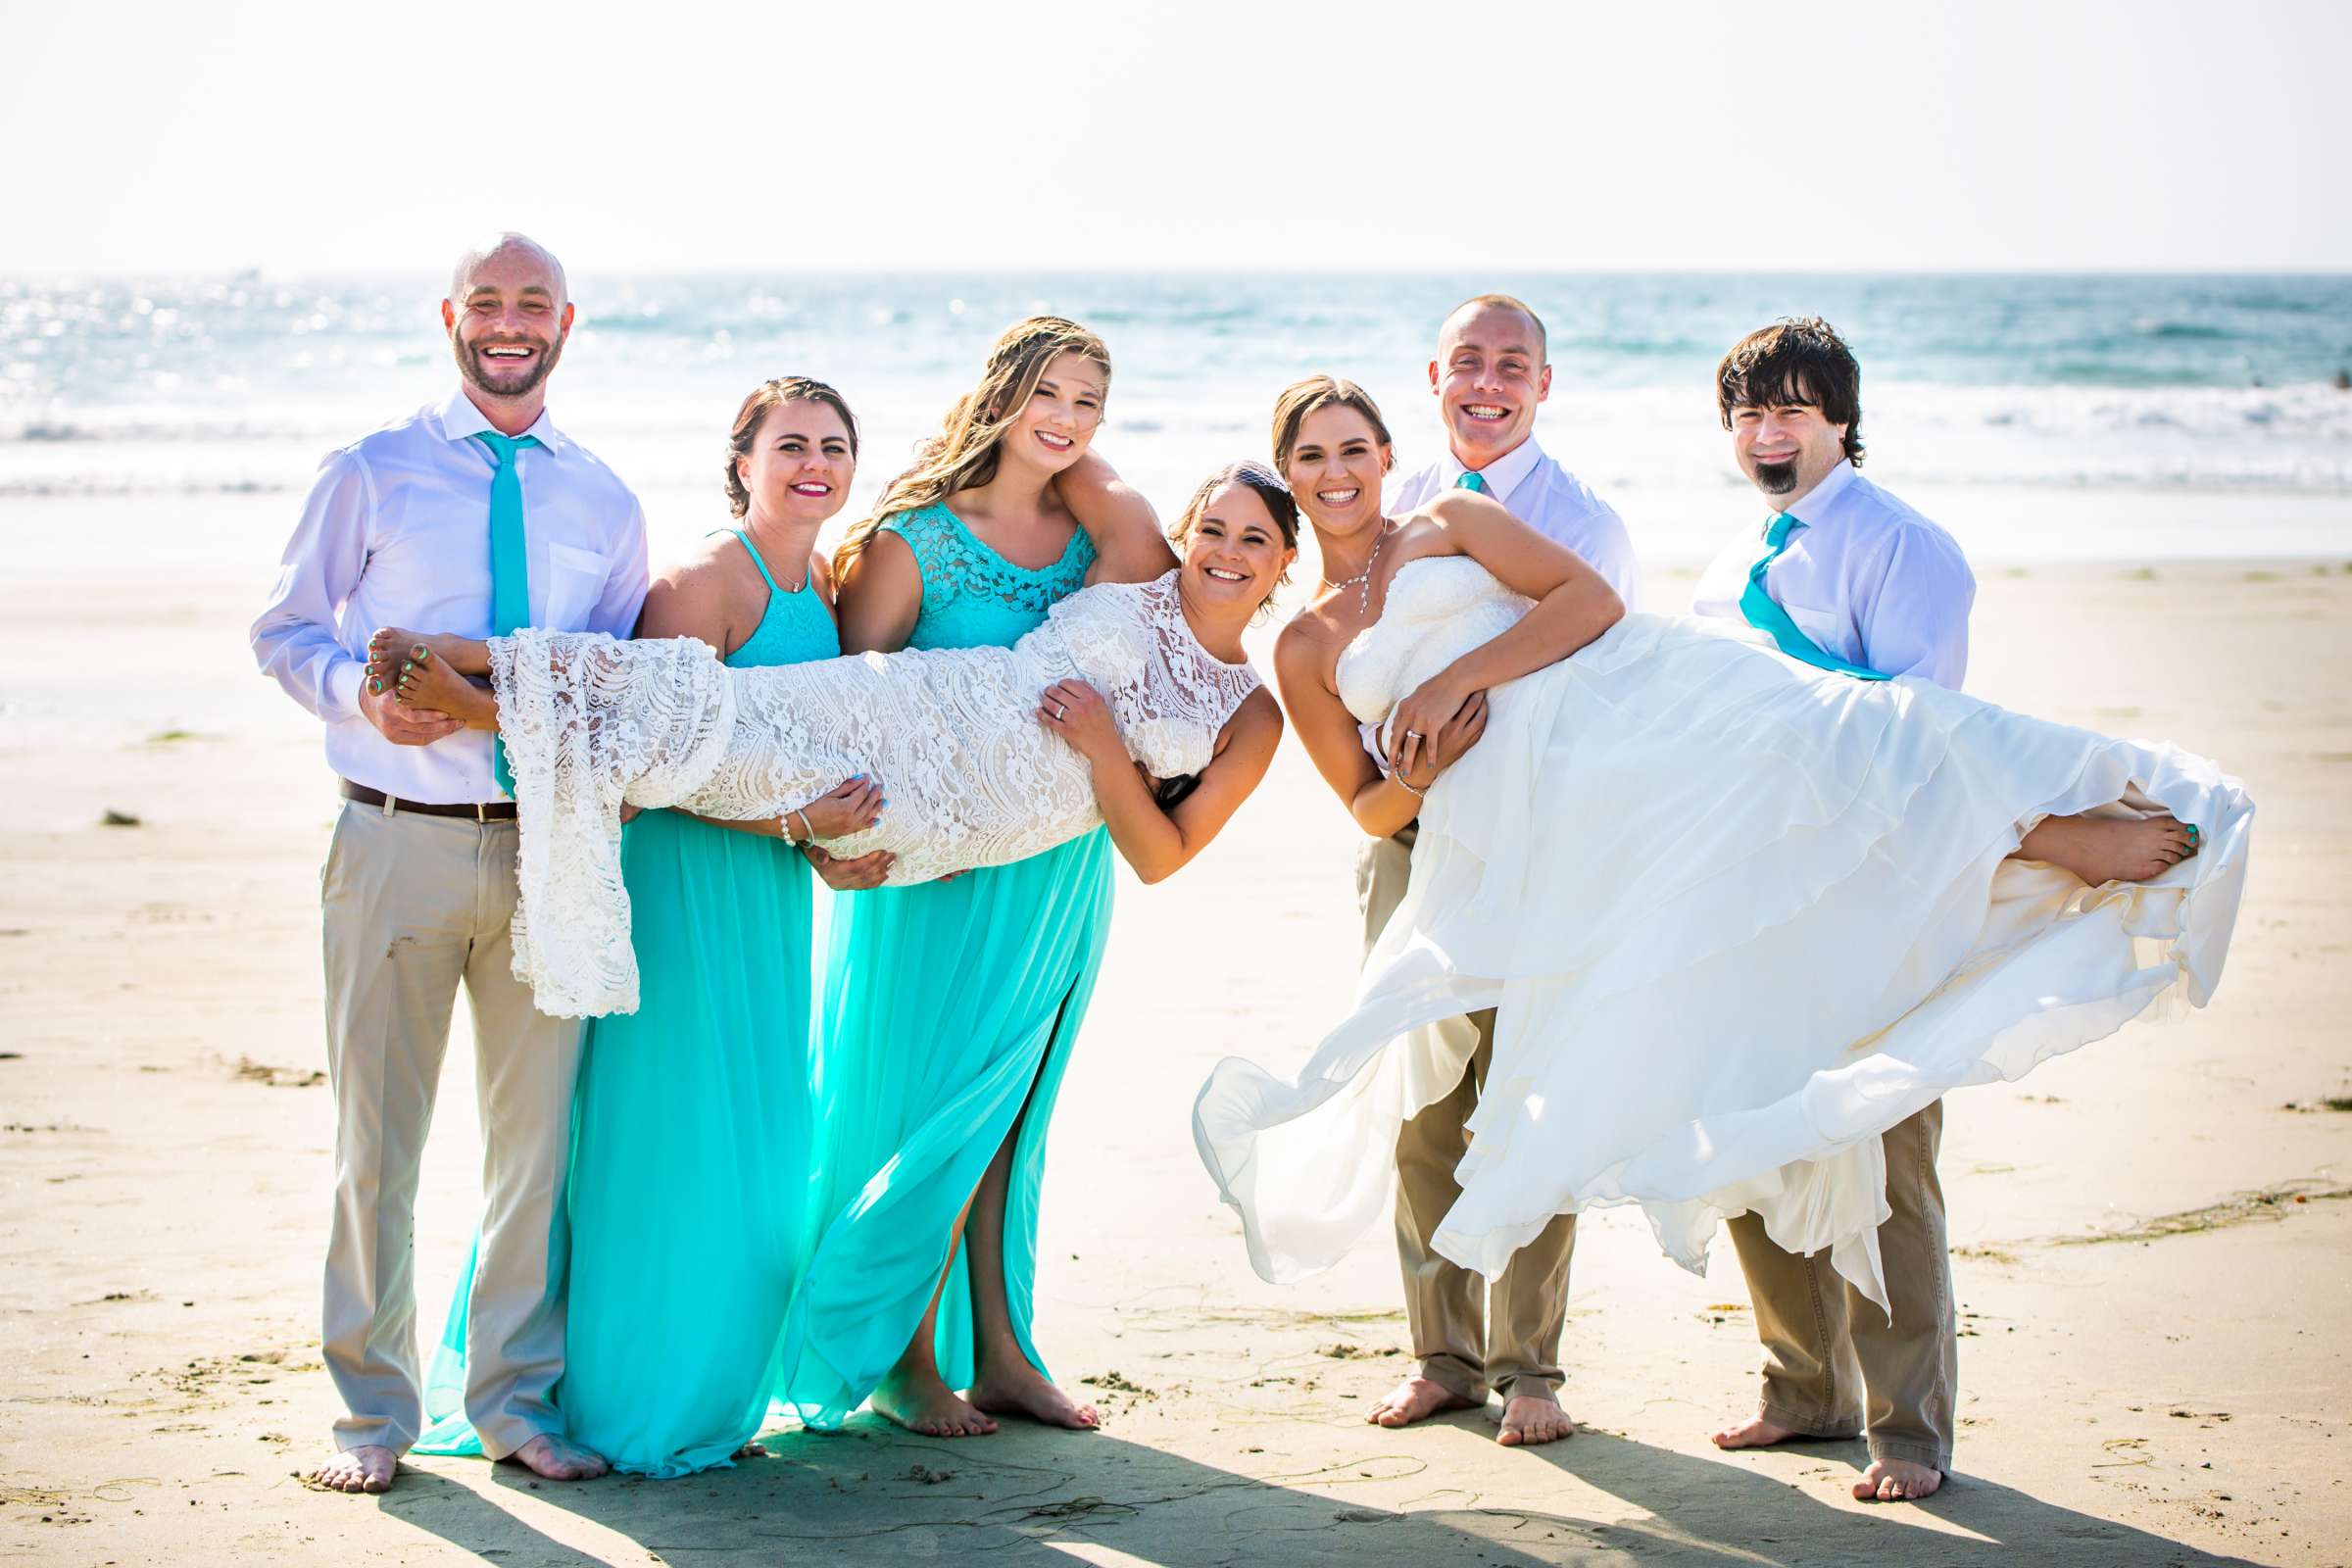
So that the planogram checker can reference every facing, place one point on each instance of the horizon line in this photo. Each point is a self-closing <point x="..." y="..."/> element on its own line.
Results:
<point x="258" y="270"/>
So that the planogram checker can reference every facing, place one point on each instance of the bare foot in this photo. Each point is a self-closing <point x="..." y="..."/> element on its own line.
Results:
<point x="1417" y="1399"/>
<point x="1532" y="1418"/>
<point x="418" y="671"/>
<point x="551" y="1458"/>
<point x="1022" y="1391"/>
<point x="924" y="1404"/>
<point x="751" y="1450"/>
<point x="2108" y="848"/>
<point x="1898" y="1481"/>
<point x="1756" y="1433"/>
<point x="467" y="656"/>
<point x="365" y="1468"/>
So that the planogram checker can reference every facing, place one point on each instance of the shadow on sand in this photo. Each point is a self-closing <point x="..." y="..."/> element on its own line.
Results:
<point x="874" y="1494"/>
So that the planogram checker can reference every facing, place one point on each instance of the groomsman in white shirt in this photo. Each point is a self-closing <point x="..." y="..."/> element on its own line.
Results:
<point x="1842" y="574"/>
<point x="1490" y="375"/>
<point x="473" y="514"/>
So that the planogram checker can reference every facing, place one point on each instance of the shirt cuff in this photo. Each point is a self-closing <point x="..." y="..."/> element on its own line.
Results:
<point x="342" y="689"/>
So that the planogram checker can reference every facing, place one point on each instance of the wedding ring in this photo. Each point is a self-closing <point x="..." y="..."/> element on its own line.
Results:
<point x="1061" y="711"/>
<point x="1413" y="735"/>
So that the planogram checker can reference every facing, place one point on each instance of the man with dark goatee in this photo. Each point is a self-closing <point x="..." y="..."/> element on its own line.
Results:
<point x="1843" y="575"/>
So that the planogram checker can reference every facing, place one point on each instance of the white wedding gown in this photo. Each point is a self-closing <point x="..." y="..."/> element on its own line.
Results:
<point x="1737" y="917"/>
<point x="972" y="777"/>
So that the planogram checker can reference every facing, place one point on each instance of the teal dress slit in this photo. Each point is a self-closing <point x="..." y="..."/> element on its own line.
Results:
<point x="688" y="1194"/>
<point x="948" y="1017"/>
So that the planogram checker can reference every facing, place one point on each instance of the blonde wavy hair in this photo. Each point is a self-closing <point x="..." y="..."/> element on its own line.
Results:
<point x="963" y="454"/>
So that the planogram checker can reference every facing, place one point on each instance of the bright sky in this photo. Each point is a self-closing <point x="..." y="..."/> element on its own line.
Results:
<point x="909" y="134"/>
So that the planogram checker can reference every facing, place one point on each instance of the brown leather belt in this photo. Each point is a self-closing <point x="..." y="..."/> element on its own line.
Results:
<point x="482" y="811"/>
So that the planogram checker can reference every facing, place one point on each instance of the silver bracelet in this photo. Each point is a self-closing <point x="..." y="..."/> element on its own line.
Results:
<point x="1400" y="782"/>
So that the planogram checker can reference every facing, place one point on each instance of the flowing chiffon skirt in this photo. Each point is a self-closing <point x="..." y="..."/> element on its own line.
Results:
<point x="948" y="1013"/>
<point x="689" y="1184"/>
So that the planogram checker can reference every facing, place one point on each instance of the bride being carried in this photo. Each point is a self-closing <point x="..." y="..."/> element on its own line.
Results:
<point x="986" y="755"/>
<point x="1737" y="915"/>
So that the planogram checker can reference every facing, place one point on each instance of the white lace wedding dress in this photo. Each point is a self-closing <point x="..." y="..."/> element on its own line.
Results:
<point x="1737" y="917"/>
<point x="972" y="777"/>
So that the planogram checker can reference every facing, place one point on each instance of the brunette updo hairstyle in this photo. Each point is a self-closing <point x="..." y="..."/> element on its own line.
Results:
<point x="1265" y="484"/>
<point x="748" y="419"/>
<point x="1318" y="392"/>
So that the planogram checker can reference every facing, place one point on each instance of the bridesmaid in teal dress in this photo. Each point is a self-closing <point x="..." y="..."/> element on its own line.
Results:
<point x="950" y="1007"/>
<point x="689" y="1192"/>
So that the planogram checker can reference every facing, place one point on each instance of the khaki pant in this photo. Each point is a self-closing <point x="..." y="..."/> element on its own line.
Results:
<point x="1834" y="1363"/>
<point x="413" y="905"/>
<point x="1469" y="1339"/>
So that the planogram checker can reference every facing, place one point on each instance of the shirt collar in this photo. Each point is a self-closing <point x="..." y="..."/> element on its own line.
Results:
<point x="1504" y="474"/>
<point x="1808" y="508"/>
<point x="461" y="421"/>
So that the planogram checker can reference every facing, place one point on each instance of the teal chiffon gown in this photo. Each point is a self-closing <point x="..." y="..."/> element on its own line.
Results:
<point x="689" y="1192"/>
<point x="948" y="1012"/>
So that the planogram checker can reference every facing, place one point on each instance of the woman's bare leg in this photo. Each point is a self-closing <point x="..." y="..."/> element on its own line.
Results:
<point x="913" y="1393"/>
<point x="1006" y="1383"/>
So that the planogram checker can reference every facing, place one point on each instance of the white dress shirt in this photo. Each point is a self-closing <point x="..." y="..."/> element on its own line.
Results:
<point x="1867" y="578"/>
<point x="397" y="533"/>
<point x="1547" y="498"/>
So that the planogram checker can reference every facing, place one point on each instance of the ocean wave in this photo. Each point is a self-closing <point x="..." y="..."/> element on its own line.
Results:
<point x="55" y="487"/>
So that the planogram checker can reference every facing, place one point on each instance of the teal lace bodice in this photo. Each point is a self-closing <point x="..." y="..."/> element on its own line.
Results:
<point x="972" y="596"/>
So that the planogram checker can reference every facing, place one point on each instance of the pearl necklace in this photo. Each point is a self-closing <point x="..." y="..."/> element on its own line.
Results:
<point x="1362" y="580"/>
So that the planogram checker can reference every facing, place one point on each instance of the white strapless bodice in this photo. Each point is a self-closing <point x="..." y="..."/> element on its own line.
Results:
<point x="1438" y="607"/>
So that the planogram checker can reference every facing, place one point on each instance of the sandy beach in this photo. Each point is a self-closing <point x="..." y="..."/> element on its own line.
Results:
<point x="2154" y="1247"/>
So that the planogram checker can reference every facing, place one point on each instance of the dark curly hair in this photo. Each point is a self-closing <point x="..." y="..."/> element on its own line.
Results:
<point x="1798" y="358"/>
<point x="764" y="397"/>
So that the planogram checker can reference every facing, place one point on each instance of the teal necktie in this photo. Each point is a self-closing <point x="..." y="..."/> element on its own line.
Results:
<point x="510" y="562"/>
<point x="1764" y="612"/>
<point x="1470" y="480"/>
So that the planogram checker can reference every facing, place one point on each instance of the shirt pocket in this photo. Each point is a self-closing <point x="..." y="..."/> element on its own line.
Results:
<point x="576" y="581"/>
<point x="1826" y="628"/>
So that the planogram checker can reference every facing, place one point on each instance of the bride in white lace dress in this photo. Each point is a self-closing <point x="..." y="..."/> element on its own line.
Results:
<point x="985" y="755"/>
<point x="1735" y="916"/>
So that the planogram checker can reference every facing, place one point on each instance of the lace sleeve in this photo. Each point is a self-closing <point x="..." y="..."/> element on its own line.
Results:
<point x="588" y="723"/>
<point x="925" y="534"/>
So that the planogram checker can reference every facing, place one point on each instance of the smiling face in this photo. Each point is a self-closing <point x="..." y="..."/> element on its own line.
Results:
<point x="507" y="319"/>
<point x="1785" y="449"/>
<point x="1488" y="376"/>
<point x="1235" y="554"/>
<point x="1334" y="468"/>
<point x="800" y="463"/>
<point x="1062" y="414"/>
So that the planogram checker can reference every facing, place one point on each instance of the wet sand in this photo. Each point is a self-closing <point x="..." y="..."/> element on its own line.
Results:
<point x="2154" y="1247"/>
